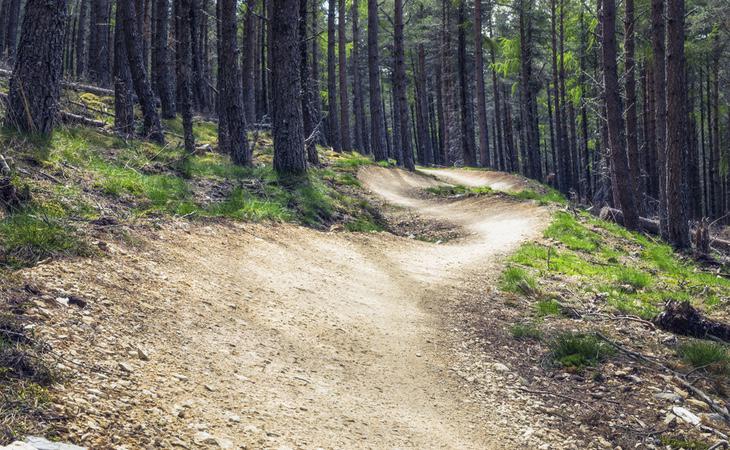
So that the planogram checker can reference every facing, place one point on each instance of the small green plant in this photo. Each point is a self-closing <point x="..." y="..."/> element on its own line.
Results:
<point x="518" y="281"/>
<point x="703" y="354"/>
<point x="577" y="351"/>
<point x="547" y="307"/>
<point x="566" y="229"/>
<point x="524" y="331"/>
<point x="636" y="279"/>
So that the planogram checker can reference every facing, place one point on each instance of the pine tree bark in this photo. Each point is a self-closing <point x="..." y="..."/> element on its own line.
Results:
<point x="289" y="152"/>
<point x="660" y="103"/>
<point x="632" y="144"/>
<point x="677" y="225"/>
<point x="621" y="182"/>
<point x="362" y="141"/>
<point x="143" y="88"/>
<point x="34" y="88"/>
<point x="377" y="129"/>
<point x="231" y="96"/>
<point x="162" y="67"/>
<point x="563" y="166"/>
<point x="482" y="120"/>
<point x="335" y="132"/>
<point x="11" y="35"/>
<point x="308" y="119"/>
<point x="183" y="37"/>
<point x="248" y="57"/>
<point x="81" y="36"/>
<point x="400" y="88"/>
<point x="424" y="141"/>
<point x="342" y="66"/>
<point x="499" y="147"/>
<point x="123" y="94"/>
<point x="98" y="64"/>
<point x="467" y="124"/>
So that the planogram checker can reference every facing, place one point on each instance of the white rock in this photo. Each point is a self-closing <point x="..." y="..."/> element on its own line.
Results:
<point x="669" y="396"/>
<point x="203" y="437"/>
<point x="686" y="415"/>
<point x="499" y="367"/>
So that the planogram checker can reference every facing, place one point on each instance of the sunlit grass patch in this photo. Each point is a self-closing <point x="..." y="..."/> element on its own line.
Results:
<point x="578" y="351"/>
<point x="525" y="331"/>
<point x="712" y="356"/>
<point x="566" y="229"/>
<point x="518" y="280"/>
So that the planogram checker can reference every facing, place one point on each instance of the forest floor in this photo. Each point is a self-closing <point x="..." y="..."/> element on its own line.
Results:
<point x="251" y="336"/>
<point x="187" y="303"/>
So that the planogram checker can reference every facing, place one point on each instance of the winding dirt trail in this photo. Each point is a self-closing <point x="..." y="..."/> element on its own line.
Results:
<point x="285" y="337"/>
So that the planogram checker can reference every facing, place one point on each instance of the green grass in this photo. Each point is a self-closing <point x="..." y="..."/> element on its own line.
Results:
<point x="636" y="274"/>
<point x="566" y="229"/>
<point x="526" y="331"/>
<point x="548" y="307"/>
<point x="142" y="178"/>
<point x="550" y="196"/>
<point x="519" y="281"/>
<point x="578" y="351"/>
<point x="31" y="235"/>
<point x="704" y="354"/>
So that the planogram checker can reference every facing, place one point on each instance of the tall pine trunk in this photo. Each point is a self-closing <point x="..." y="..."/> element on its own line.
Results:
<point x="660" y="104"/>
<point x="621" y="182"/>
<point x="289" y="152"/>
<point x="35" y="84"/>
<point x="482" y="120"/>
<point x="677" y="226"/>
<point x="231" y="89"/>
<point x="342" y="66"/>
<point x="335" y="133"/>
<point x="467" y="124"/>
<point x="162" y="66"/>
<point x="183" y="34"/>
<point x="377" y="125"/>
<point x="123" y="94"/>
<point x="400" y="89"/>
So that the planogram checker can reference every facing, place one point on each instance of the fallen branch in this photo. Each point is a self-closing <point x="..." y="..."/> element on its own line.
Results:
<point x="68" y="117"/>
<point x="652" y="226"/>
<point x="79" y="87"/>
<point x="722" y="411"/>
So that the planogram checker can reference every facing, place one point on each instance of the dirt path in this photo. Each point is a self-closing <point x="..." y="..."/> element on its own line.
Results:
<point x="284" y="337"/>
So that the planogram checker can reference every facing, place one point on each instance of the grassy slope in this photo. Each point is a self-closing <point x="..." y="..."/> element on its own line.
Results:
<point x="82" y="175"/>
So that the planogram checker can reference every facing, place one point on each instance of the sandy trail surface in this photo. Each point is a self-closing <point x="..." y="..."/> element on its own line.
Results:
<point x="252" y="336"/>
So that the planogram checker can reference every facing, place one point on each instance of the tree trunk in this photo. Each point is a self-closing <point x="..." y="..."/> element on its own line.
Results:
<point x="622" y="184"/>
<point x="247" y="67"/>
<point x="467" y="124"/>
<point x="632" y="144"/>
<point x="183" y="34"/>
<point x="123" y="95"/>
<point x="335" y="132"/>
<point x="98" y="65"/>
<point x="677" y="225"/>
<point x="660" y="102"/>
<point x="162" y="67"/>
<point x="35" y="85"/>
<point x="344" y="95"/>
<point x="308" y="119"/>
<point x="231" y="95"/>
<point x="81" y="32"/>
<point x="289" y="152"/>
<point x="11" y="36"/>
<point x="499" y="147"/>
<point x="481" y="96"/>
<point x="400" y="88"/>
<point x="377" y="129"/>
<point x="424" y="141"/>
<point x="361" y="136"/>
<point x="152" y="126"/>
<point x="563" y="166"/>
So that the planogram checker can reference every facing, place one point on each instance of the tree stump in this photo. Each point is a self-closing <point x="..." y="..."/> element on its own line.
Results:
<point x="681" y="318"/>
